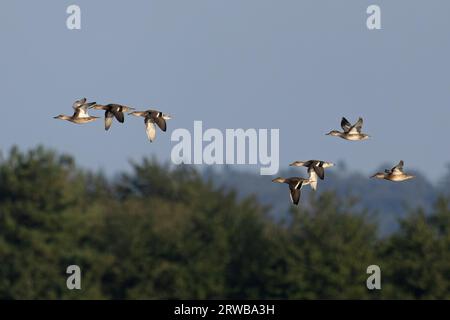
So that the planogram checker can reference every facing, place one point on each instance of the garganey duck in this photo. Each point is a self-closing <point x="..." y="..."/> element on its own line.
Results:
<point x="150" y="118"/>
<point x="351" y="132"/>
<point x="295" y="186"/>
<point x="80" y="115"/>
<point x="112" y="110"/>
<point x="316" y="168"/>
<point x="396" y="174"/>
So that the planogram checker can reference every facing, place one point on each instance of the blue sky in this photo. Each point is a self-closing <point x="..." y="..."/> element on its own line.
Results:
<point x="294" y="65"/>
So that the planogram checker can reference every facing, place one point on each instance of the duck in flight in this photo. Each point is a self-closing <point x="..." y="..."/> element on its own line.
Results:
<point x="396" y="174"/>
<point x="150" y="118"/>
<point x="316" y="168"/>
<point x="112" y="111"/>
<point x="351" y="132"/>
<point x="295" y="186"/>
<point x="80" y="115"/>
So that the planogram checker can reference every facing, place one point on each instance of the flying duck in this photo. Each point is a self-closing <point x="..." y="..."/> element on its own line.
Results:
<point x="351" y="132"/>
<point x="295" y="186"/>
<point x="395" y="174"/>
<point x="316" y="168"/>
<point x="150" y="118"/>
<point x="112" y="110"/>
<point x="80" y="115"/>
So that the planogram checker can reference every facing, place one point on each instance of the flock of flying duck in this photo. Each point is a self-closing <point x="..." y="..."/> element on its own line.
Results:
<point x="81" y="116"/>
<point x="315" y="168"/>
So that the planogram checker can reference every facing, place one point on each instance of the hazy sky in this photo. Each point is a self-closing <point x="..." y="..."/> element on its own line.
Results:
<point x="295" y="65"/>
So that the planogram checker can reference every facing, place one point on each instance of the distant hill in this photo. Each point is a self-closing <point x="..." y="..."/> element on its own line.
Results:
<point x="386" y="201"/>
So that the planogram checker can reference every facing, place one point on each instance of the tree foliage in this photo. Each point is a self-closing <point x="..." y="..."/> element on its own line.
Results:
<point x="163" y="232"/>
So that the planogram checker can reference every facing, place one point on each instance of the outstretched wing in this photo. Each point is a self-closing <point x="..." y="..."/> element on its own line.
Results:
<point x="295" y="194"/>
<point x="161" y="123"/>
<point x="312" y="178"/>
<point x="150" y="129"/>
<point x="356" y="128"/>
<point x="398" y="169"/>
<point x="320" y="172"/>
<point x="82" y="112"/>
<point x="108" y="119"/>
<point x="119" y="116"/>
<point x="346" y="126"/>
<point x="79" y="103"/>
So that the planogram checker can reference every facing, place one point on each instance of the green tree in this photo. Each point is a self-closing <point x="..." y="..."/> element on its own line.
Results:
<point x="418" y="256"/>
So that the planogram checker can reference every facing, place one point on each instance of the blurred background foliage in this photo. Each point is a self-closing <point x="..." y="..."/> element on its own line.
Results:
<point x="163" y="232"/>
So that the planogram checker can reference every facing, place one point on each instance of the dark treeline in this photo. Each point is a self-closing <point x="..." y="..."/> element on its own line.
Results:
<point x="165" y="232"/>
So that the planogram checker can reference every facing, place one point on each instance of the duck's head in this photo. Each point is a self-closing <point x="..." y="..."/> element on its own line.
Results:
<point x="62" y="117"/>
<point x="297" y="164"/>
<point x="137" y="113"/>
<point x="328" y="164"/>
<point x="378" y="175"/>
<point x="334" y="133"/>
<point x="127" y="109"/>
<point x="279" y="180"/>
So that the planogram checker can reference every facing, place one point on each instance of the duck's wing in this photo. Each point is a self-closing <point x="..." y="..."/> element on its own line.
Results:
<point x="82" y="111"/>
<point x="119" y="116"/>
<point x="357" y="127"/>
<point x="161" y="123"/>
<point x="320" y="171"/>
<point x="346" y="125"/>
<point x="312" y="178"/>
<point x="150" y="129"/>
<point x="398" y="169"/>
<point x="295" y="194"/>
<point x="108" y="119"/>
<point x="78" y="103"/>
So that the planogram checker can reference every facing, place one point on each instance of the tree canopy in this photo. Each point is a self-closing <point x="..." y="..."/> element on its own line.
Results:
<point x="164" y="232"/>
